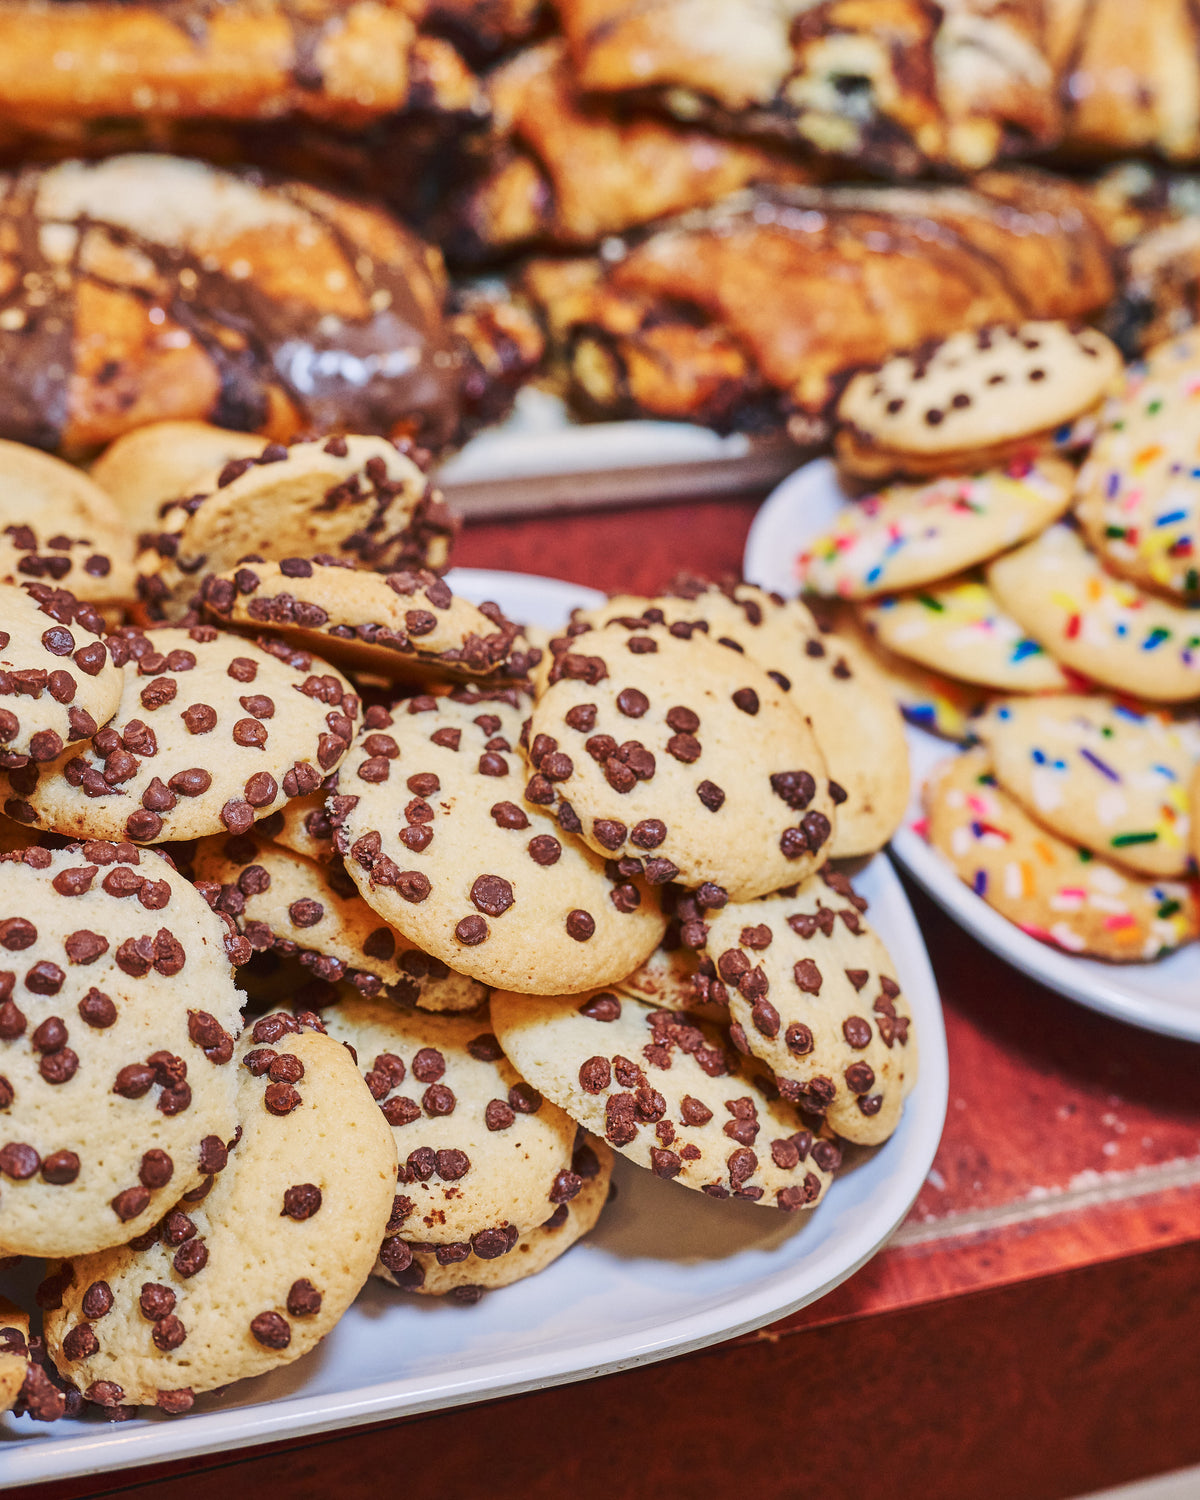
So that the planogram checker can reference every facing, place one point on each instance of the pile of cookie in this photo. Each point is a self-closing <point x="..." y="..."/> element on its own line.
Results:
<point x="349" y="929"/>
<point x="1027" y="577"/>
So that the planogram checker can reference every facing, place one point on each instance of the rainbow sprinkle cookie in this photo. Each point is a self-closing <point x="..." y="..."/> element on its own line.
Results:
<point x="926" y="698"/>
<point x="1140" y="489"/>
<point x="1195" y="793"/>
<point x="1100" y="774"/>
<point x="957" y="627"/>
<point x="1053" y="890"/>
<point x="909" y="535"/>
<point x="1103" y="627"/>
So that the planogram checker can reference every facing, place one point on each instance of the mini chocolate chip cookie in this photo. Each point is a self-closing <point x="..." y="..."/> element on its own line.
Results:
<point x="213" y="732"/>
<point x="58" y="683"/>
<point x="252" y="1272"/>
<point x="668" y="1091"/>
<point x="358" y="498"/>
<point x="118" y="1016"/>
<point x="812" y="991"/>
<point x="483" y="1157"/>
<point x="152" y="466"/>
<point x="285" y="902"/>
<point x="972" y="400"/>
<point x="59" y="526"/>
<point x="392" y="624"/>
<point x="857" y="725"/>
<point x="437" y="830"/>
<point x="681" y="758"/>
<point x="460" y="1273"/>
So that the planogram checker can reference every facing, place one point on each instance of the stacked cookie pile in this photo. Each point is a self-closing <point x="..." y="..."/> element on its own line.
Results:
<point x="347" y="930"/>
<point x="1027" y="578"/>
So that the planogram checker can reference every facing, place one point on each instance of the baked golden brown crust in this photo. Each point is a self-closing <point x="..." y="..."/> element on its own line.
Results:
<point x="144" y="288"/>
<point x="1129" y="75"/>
<point x="896" y="83"/>
<point x="560" y="171"/>
<point x="343" y="60"/>
<point x="403" y="159"/>
<point x="757" y="312"/>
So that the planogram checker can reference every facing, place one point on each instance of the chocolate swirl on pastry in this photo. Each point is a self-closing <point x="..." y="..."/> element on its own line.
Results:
<point x="143" y="288"/>
<point x="755" y="313"/>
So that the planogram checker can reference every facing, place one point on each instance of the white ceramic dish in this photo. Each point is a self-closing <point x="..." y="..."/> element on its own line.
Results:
<point x="541" y="459"/>
<point x="667" y="1271"/>
<point x="1163" y="996"/>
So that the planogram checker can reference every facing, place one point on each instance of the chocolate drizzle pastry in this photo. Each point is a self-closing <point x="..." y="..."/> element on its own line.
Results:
<point x="893" y="84"/>
<point x="756" y="312"/>
<point x="147" y="287"/>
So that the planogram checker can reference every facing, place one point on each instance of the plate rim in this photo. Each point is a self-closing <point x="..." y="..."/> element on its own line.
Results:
<point x="1083" y="981"/>
<point x="35" y="1456"/>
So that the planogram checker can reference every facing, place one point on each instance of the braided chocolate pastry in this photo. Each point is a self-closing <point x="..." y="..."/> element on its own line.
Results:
<point x="755" y="314"/>
<point x="147" y="287"/>
<point x="896" y="84"/>
<point x="559" y="171"/>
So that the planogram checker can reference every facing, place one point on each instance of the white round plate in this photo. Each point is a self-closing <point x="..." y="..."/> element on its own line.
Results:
<point x="666" y="1271"/>
<point x="1163" y="996"/>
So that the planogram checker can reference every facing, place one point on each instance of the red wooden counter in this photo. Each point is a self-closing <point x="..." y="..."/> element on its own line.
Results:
<point x="1031" y="1330"/>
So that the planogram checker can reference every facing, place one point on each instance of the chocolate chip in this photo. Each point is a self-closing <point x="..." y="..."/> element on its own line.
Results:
<point x="684" y="747"/>
<point x="632" y="703"/>
<point x="595" y="1075"/>
<point x="544" y="849"/>
<point x="525" y="1099"/>
<point x="509" y="815"/>
<point x="271" y="1330"/>
<point x="856" y="1031"/>
<point x="281" y="1098"/>
<point x="129" y="1203"/>
<point x="303" y="1299"/>
<point x="81" y="1342"/>
<point x="493" y="895"/>
<point x="582" y="717"/>
<point x="428" y="1065"/>
<point x="168" y="1333"/>
<point x="400" y="1111"/>
<point x="580" y="925"/>
<point x="83" y="947"/>
<point x="498" y="1115"/>
<point x="471" y="931"/>
<point x="807" y="976"/>
<point x="191" y="1257"/>
<point x="796" y="788"/>
<point x="301" y="1201"/>
<point x="485" y="1048"/>
<point x="711" y="795"/>
<point x="60" y="1168"/>
<point x="16" y="934"/>
<point x="747" y="700"/>
<point x="438" y="1100"/>
<point x="97" y="1009"/>
<point x="242" y="669"/>
<point x="799" y="1039"/>
<point x="609" y="833"/>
